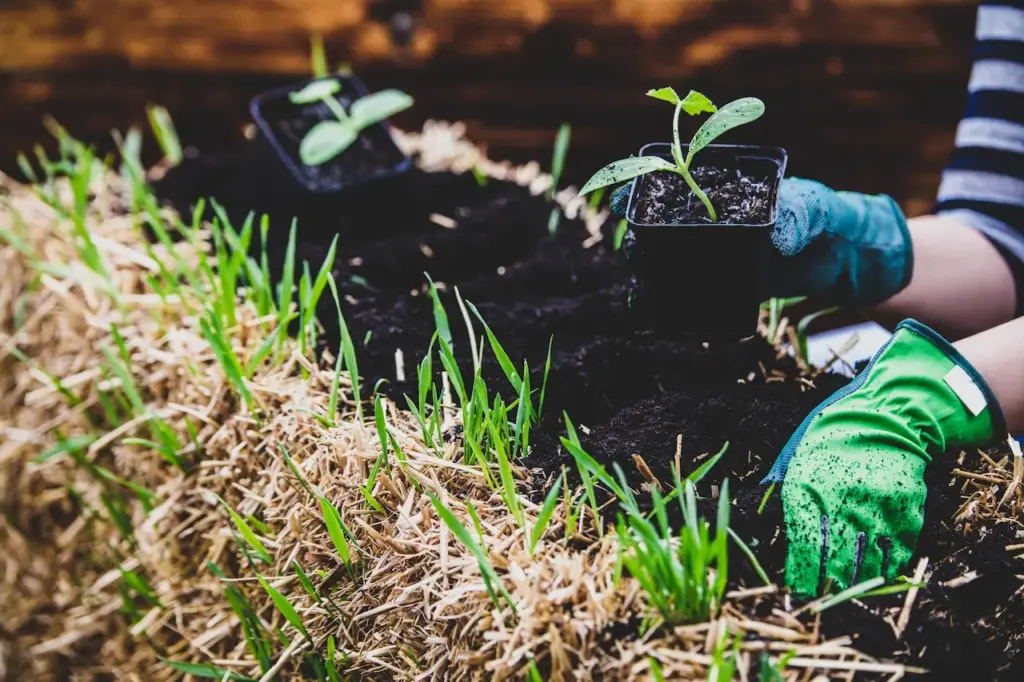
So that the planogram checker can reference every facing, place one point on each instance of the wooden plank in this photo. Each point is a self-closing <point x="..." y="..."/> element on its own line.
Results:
<point x="864" y="93"/>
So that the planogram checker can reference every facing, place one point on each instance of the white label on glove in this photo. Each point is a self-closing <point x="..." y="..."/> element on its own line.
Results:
<point x="963" y="385"/>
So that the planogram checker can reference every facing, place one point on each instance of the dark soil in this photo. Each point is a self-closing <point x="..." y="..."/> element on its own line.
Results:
<point x="628" y="391"/>
<point x="373" y="153"/>
<point x="739" y="197"/>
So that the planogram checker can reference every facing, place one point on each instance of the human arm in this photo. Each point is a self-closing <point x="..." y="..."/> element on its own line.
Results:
<point x="960" y="283"/>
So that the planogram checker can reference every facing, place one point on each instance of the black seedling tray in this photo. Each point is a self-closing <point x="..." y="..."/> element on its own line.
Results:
<point x="372" y="158"/>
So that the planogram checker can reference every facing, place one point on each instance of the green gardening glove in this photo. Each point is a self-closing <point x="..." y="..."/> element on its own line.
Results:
<point x="852" y="474"/>
<point x="842" y="248"/>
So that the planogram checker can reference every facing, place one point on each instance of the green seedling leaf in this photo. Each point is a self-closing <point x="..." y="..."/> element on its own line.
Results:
<point x="694" y="103"/>
<point x="332" y="671"/>
<point x="665" y="95"/>
<point x="378" y="106"/>
<point x="246" y="531"/>
<point x="499" y="352"/>
<point x="620" y="232"/>
<point x="71" y="445"/>
<point x="558" y="159"/>
<point x="801" y="330"/>
<point x="764" y="499"/>
<point x="295" y="471"/>
<point x="625" y="169"/>
<point x="462" y="533"/>
<point x="326" y="140"/>
<point x="285" y="607"/>
<point x="853" y="592"/>
<point x="166" y="135"/>
<point x="546" y="510"/>
<point x="348" y="349"/>
<point x="544" y="380"/>
<point x="732" y="115"/>
<point x="440" y="316"/>
<point x="315" y="91"/>
<point x="307" y="584"/>
<point x="317" y="56"/>
<point x="750" y="555"/>
<point x="704" y="468"/>
<point x="205" y="670"/>
<point x="334" y="523"/>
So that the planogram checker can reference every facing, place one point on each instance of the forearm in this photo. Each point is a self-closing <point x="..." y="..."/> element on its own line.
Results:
<point x="998" y="355"/>
<point x="960" y="285"/>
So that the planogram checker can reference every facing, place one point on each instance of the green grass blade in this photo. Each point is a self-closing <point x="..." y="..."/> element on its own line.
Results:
<point x="166" y="135"/>
<point x="205" y="670"/>
<point x="440" y="316"/>
<point x="285" y="607"/>
<point x="499" y="352"/>
<point x="558" y="157"/>
<point x="750" y="556"/>
<point x="702" y="471"/>
<point x="491" y="578"/>
<point x="544" y="381"/>
<point x="246" y="531"/>
<point x="348" y="350"/>
<point x="307" y="584"/>
<point x="544" y="517"/>
<point x="849" y="593"/>
<point x="335" y="524"/>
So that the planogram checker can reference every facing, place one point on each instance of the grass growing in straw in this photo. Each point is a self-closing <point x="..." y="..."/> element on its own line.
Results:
<point x="344" y="559"/>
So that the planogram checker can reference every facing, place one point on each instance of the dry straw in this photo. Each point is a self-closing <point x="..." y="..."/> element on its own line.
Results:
<point x="114" y="558"/>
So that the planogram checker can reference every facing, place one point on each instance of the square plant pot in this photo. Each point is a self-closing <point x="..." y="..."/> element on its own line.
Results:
<point x="692" y="276"/>
<point x="373" y="157"/>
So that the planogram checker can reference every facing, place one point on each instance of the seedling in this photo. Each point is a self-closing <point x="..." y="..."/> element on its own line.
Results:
<point x="328" y="139"/>
<point x="732" y="115"/>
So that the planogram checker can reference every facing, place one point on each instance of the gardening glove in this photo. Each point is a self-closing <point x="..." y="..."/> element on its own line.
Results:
<point x="841" y="248"/>
<point x="852" y="474"/>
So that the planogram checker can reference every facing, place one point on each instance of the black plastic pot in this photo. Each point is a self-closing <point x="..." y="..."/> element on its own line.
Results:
<point x="372" y="157"/>
<point x="700" y="279"/>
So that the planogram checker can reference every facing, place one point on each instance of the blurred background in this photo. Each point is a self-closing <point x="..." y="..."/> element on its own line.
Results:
<point x="865" y="94"/>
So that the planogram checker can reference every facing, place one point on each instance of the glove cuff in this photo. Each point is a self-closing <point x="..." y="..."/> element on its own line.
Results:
<point x="883" y="263"/>
<point x="969" y="388"/>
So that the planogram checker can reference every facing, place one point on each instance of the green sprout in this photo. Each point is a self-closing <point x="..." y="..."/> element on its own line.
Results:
<point x="732" y="115"/>
<point x="328" y="139"/>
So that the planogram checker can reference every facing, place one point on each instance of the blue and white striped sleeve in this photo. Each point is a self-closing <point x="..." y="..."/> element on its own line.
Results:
<point x="983" y="182"/>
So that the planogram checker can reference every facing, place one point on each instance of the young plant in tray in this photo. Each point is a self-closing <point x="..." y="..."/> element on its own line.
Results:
<point x="331" y="134"/>
<point x="732" y="115"/>
<point x="327" y="139"/>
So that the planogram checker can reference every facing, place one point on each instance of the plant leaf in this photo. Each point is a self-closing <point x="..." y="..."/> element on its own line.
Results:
<point x="315" y="91"/>
<point x="203" y="670"/>
<point x="545" y="513"/>
<point x="732" y="115"/>
<point x="665" y="94"/>
<point x="326" y="140"/>
<point x="333" y="521"/>
<point x="246" y="531"/>
<point x="625" y="169"/>
<point x="285" y="607"/>
<point x="378" y="106"/>
<point x="694" y="103"/>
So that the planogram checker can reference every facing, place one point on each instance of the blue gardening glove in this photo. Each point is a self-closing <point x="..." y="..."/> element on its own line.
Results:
<point x="840" y="248"/>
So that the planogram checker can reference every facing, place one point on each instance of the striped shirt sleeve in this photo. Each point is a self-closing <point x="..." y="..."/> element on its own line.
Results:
<point x="983" y="182"/>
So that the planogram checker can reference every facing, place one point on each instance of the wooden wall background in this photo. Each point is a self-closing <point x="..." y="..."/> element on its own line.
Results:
<point x="865" y="94"/>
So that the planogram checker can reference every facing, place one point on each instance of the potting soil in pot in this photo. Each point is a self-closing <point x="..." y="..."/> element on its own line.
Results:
<point x="738" y="198"/>
<point x="635" y="393"/>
